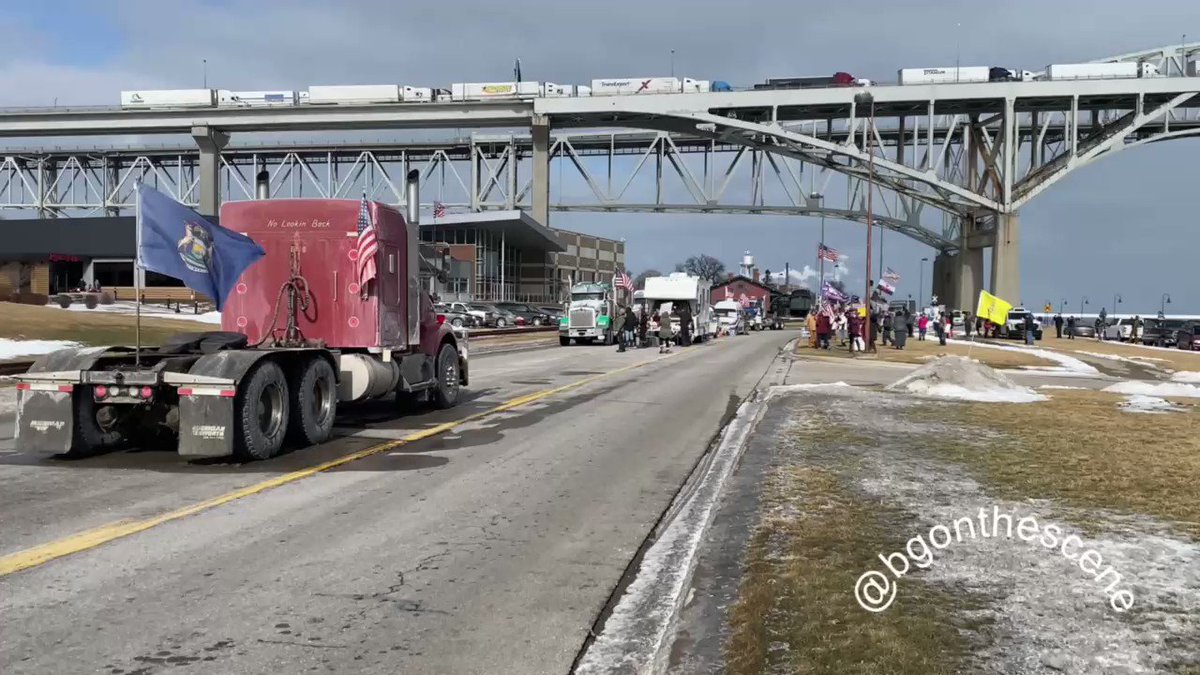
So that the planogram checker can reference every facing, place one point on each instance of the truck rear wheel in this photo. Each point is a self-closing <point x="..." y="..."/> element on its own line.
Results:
<point x="95" y="427"/>
<point x="445" y="392"/>
<point x="312" y="399"/>
<point x="261" y="412"/>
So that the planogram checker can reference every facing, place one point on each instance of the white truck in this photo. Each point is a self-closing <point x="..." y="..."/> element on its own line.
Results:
<point x="961" y="75"/>
<point x="355" y="94"/>
<point x="733" y="320"/>
<point x="169" y="98"/>
<point x="474" y="91"/>
<point x="589" y="315"/>
<point x="678" y="289"/>
<point x="1099" y="71"/>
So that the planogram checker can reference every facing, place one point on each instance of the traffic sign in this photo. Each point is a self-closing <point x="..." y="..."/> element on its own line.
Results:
<point x="1047" y="308"/>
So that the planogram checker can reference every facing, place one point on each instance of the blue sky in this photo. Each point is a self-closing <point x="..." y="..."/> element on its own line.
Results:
<point x="1124" y="225"/>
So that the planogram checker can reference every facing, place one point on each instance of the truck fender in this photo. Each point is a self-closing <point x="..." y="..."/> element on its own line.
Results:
<point x="45" y="420"/>
<point x="206" y="418"/>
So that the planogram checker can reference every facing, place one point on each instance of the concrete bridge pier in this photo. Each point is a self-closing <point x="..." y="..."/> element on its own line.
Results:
<point x="1006" y="258"/>
<point x="540" y="132"/>
<point x="211" y="142"/>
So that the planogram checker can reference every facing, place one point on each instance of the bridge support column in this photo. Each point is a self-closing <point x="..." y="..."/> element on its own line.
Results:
<point x="211" y="142"/>
<point x="943" y="263"/>
<point x="540" y="131"/>
<point x="1006" y="258"/>
<point x="968" y="278"/>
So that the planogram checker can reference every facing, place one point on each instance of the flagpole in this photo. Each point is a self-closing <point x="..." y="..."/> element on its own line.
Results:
<point x="137" y="276"/>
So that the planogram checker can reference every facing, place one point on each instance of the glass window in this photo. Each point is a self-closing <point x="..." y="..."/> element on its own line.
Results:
<point x="111" y="274"/>
<point x="156" y="279"/>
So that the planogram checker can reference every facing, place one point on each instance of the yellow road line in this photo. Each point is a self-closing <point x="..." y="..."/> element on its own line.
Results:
<point x="82" y="541"/>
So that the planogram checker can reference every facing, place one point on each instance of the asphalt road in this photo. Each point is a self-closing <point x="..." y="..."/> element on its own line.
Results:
<point x="491" y="548"/>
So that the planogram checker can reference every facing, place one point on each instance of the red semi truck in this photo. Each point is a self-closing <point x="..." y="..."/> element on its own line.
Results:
<point x="299" y="336"/>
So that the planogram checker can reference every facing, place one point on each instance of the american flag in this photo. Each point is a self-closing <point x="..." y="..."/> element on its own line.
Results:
<point x="624" y="281"/>
<point x="439" y="210"/>
<point x="826" y="253"/>
<point x="367" y="245"/>
<point x="891" y="276"/>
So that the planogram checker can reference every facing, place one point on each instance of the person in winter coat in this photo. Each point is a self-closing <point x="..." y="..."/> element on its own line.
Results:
<point x="1071" y="328"/>
<point x="824" y="327"/>
<point x="908" y="321"/>
<point x="685" y="326"/>
<point x="886" y="328"/>
<point x="855" y="325"/>
<point x="940" y="329"/>
<point x="643" y="326"/>
<point x="1028" y="328"/>
<point x="664" y="333"/>
<point x="1058" y="326"/>
<point x="618" y="328"/>
<point x="901" y="336"/>
<point x="810" y="324"/>
<point x="631" y="322"/>
<point x="922" y="327"/>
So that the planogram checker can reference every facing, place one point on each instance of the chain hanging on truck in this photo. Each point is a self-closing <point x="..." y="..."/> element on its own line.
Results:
<point x="299" y="299"/>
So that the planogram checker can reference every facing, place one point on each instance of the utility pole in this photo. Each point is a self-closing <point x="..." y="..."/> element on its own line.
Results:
<point x="672" y="63"/>
<point x="867" y="99"/>
<point x="921" y="286"/>
<point x="204" y="65"/>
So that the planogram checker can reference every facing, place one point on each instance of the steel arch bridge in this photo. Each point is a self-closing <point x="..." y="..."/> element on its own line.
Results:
<point x="975" y="153"/>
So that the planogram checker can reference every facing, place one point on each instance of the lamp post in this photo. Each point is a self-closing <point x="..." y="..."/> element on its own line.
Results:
<point x="1162" y="307"/>
<point x="1062" y="305"/>
<point x="1082" y="301"/>
<point x="868" y="100"/>
<point x="1117" y="299"/>
<point x="921" y="285"/>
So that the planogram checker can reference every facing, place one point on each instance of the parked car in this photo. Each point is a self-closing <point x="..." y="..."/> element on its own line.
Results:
<point x="486" y="319"/>
<point x="1015" y="326"/>
<point x="1120" y="329"/>
<point x="1161" y="332"/>
<point x="555" y="312"/>
<point x="1188" y="337"/>
<point x="455" y="318"/>
<point x="532" y="316"/>
<point x="1084" y="328"/>
<point x="502" y="317"/>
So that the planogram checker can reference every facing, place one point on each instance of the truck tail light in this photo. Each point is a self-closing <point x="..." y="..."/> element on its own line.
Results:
<point x="146" y="392"/>
<point x="22" y="386"/>
<point x="441" y="319"/>
<point x="101" y="392"/>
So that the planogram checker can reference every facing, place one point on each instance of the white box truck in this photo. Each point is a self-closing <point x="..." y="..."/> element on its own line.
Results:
<point x="416" y="94"/>
<point x="636" y="85"/>
<point x="1099" y="71"/>
<point x="691" y="86"/>
<point x="551" y="90"/>
<point x="353" y="94"/>
<point x="169" y="98"/>
<point x="678" y="289"/>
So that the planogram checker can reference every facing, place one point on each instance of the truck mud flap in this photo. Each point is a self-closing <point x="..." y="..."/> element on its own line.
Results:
<point x="206" y="426"/>
<point x="45" y="421"/>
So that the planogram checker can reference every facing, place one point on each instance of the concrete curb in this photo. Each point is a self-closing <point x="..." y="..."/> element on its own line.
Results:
<point x="638" y="634"/>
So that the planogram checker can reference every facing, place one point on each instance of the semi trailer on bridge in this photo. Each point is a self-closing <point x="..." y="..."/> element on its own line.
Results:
<point x="1100" y="71"/>
<point x="962" y="75"/>
<point x="300" y="335"/>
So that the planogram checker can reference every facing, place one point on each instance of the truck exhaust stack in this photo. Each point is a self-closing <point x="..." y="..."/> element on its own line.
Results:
<point x="262" y="185"/>
<point x="412" y="195"/>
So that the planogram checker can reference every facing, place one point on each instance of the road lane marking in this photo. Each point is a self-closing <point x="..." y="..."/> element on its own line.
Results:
<point x="88" y="539"/>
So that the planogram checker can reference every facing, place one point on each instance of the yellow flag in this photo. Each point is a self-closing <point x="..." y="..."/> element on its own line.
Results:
<point x="992" y="308"/>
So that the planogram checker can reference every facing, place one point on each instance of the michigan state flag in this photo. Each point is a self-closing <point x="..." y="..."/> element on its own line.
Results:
<point x="178" y="242"/>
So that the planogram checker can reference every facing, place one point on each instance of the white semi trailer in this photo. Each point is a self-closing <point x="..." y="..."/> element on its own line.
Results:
<point x="1101" y="71"/>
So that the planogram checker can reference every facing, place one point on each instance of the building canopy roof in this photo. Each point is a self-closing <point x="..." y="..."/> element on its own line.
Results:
<point x="518" y="227"/>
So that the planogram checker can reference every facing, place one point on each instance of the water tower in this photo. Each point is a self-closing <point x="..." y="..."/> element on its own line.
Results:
<point x="747" y="269"/>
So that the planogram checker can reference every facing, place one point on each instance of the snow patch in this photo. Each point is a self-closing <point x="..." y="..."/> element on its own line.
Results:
<point x="1060" y="386"/>
<point x="960" y="378"/>
<point x="1142" y="388"/>
<point x="1151" y="405"/>
<point x="12" y="349"/>
<point x="1189" y="376"/>
<point x="1066" y="363"/>
<point x="155" y="311"/>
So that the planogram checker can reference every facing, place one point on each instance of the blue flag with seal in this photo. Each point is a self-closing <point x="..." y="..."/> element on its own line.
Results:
<point x="178" y="242"/>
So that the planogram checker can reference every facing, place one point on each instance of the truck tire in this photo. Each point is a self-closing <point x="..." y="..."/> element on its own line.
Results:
<point x="261" y="412"/>
<point x="312" y="399"/>
<point x="92" y="433"/>
<point x="564" y="341"/>
<point x="445" y="392"/>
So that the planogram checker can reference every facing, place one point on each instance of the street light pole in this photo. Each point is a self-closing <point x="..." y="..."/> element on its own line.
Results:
<point x="1062" y="305"/>
<point x="1162" y="307"/>
<point x="1117" y="299"/>
<point x="866" y="98"/>
<point x="921" y="286"/>
<point x="1082" y="301"/>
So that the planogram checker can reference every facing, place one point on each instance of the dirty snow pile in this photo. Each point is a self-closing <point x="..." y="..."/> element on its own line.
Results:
<point x="1152" y="405"/>
<point x="148" y="310"/>
<point x="1188" y="376"/>
<point x="960" y="378"/>
<point x="12" y="349"/>
<point x="1140" y="387"/>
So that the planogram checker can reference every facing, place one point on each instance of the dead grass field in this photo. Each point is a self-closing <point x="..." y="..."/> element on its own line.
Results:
<point x="1080" y="449"/>
<point x="921" y="352"/>
<point x="1174" y="359"/>
<point x="794" y="613"/>
<point x="51" y="323"/>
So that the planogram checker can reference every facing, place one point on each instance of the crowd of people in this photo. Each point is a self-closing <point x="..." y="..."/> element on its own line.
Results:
<point x="890" y="327"/>
<point x="634" y="328"/>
